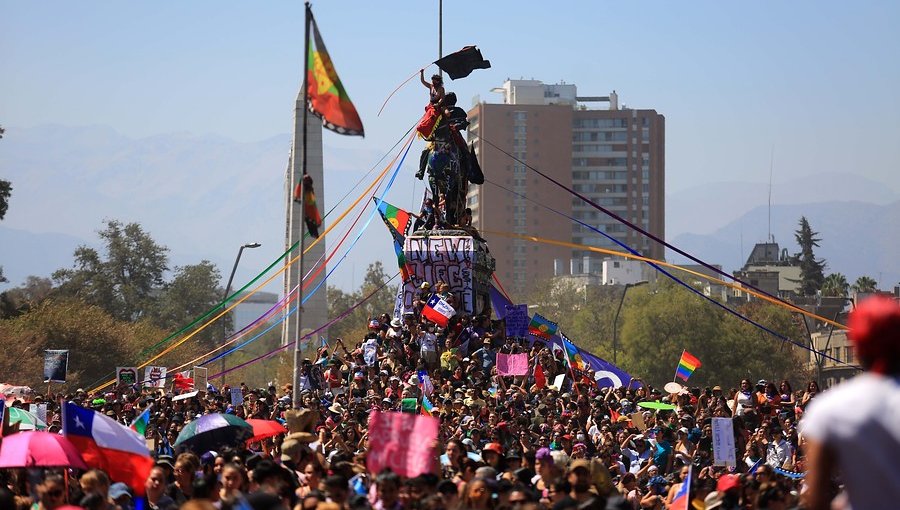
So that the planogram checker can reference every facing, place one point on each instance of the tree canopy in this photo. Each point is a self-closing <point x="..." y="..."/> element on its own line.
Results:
<point x="124" y="280"/>
<point x="812" y="270"/>
<point x="835" y="285"/>
<point x="865" y="284"/>
<point x="659" y="323"/>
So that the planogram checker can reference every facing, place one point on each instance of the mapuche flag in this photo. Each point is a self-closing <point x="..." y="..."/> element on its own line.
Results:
<point x="396" y="219"/>
<point x="542" y="327"/>
<point x="325" y="94"/>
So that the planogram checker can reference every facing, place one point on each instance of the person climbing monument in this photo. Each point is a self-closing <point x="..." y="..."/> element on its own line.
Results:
<point x="436" y="87"/>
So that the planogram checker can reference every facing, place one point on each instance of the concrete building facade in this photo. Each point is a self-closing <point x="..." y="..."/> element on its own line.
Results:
<point x="613" y="156"/>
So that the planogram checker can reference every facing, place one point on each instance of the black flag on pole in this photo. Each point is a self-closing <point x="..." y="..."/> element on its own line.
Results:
<point x="463" y="62"/>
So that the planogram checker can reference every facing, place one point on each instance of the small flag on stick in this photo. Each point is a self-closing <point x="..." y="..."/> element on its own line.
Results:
<point x="687" y="365"/>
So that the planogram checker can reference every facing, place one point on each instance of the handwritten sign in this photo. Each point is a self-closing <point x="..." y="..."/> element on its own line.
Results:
<point x="402" y="442"/>
<point x="512" y="364"/>
<point x="237" y="398"/>
<point x="516" y="319"/>
<point x="724" y="453"/>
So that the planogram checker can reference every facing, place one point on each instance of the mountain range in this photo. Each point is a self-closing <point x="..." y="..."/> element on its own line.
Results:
<point x="204" y="196"/>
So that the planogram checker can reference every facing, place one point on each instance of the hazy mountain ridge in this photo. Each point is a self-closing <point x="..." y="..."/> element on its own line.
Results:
<point x="857" y="238"/>
<point x="204" y="195"/>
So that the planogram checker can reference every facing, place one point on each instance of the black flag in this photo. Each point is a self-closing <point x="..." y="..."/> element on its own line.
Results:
<point x="463" y="62"/>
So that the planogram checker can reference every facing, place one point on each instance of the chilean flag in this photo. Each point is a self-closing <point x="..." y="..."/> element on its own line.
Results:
<point x="682" y="499"/>
<point x="108" y="445"/>
<point x="438" y="311"/>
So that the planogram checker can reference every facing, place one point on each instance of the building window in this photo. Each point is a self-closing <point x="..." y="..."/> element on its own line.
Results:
<point x="848" y="354"/>
<point x="519" y="115"/>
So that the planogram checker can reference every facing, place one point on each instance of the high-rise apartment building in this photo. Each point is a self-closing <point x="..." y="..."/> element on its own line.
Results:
<point x="614" y="156"/>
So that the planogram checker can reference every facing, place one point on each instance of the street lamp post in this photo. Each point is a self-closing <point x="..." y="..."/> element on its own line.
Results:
<point x="616" y="320"/>
<point x="237" y="260"/>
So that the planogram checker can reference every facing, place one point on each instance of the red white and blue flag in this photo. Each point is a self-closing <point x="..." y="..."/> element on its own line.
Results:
<point x="108" y="445"/>
<point x="438" y="311"/>
<point x="682" y="499"/>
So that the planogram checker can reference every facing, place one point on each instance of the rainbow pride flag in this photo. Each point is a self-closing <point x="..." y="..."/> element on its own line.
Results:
<point x="687" y="365"/>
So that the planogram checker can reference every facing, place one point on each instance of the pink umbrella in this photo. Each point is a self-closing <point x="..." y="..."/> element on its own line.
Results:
<point x="39" y="449"/>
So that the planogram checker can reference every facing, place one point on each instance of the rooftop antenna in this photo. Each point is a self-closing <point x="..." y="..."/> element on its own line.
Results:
<point x="771" y="170"/>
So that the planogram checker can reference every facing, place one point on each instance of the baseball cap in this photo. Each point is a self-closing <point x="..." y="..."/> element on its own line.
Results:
<point x="728" y="482"/>
<point x="118" y="489"/>
<point x="493" y="447"/>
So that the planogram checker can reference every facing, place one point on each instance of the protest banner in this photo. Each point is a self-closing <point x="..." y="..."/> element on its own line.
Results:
<point x="512" y="364"/>
<point x="237" y="398"/>
<point x="517" y="320"/>
<point x="200" y="378"/>
<point x="56" y="364"/>
<point x="155" y="377"/>
<point x="126" y="376"/>
<point x="724" y="453"/>
<point x="402" y="442"/>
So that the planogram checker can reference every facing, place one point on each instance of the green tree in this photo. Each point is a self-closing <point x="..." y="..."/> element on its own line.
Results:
<point x="812" y="271"/>
<point x="126" y="280"/>
<point x="19" y="300"/>
<point x="193" y="290"/>
<point x="353" y="327"/>
<point x="5" y="193"/>
<point x="584" y="312"/>
<point x="835" y="285"/>
<point x="660" y="323"/>
<point x="865" y="284"/>
<point x="97" y="341"/>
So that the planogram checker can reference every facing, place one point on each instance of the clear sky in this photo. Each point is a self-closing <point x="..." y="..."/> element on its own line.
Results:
<point x="816" y="80"/>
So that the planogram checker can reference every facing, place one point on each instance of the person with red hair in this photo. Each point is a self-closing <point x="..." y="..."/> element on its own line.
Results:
<point x="854" y="429"/>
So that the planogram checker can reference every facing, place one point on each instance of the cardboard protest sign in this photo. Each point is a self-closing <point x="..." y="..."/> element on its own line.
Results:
<point x="56" y="363"/>
<point x="200" y="378"/>
<point x="237" y="398"/>
<point x="512" y="364"/>
<point x="516" y="319"/>
<point x="402" y="442"/>
<point x="126" y="376"/>
<point x="638" y="420"/>
<point x="724" y="453"/>
<point x="155" y="377"/>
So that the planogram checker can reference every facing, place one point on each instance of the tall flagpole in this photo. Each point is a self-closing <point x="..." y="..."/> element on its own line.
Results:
<point x="301" y="105"/>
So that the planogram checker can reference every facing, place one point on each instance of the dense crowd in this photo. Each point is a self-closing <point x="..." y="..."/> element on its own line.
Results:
<point x="504" y="442"/>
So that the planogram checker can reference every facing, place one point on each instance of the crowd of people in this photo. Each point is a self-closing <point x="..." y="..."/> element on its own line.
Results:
<point x="504" y="442"/>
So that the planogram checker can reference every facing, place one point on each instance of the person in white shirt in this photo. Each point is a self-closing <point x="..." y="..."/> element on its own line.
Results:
<point x="854" y="429"/>
<point x="779" y="452"/>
